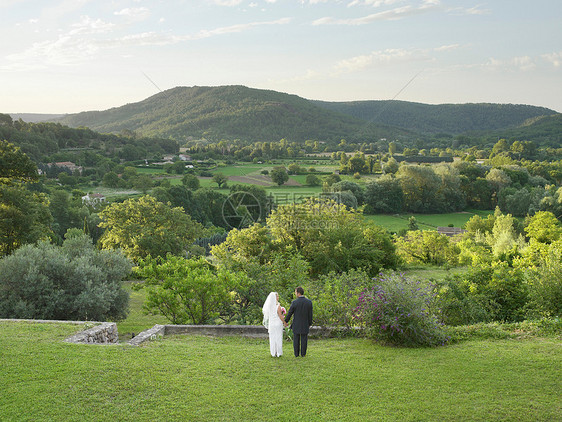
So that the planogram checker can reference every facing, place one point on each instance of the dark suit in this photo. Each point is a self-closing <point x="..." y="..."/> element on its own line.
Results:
<point x="301" y="307"/>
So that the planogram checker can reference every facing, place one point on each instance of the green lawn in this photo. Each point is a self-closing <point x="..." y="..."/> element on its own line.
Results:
<point x="396" y="222"/>
<point x="207" y="379"/>
<point x="137" y="320"/>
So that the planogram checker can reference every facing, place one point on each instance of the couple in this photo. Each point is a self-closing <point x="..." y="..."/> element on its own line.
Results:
<point x="274" y="321"/>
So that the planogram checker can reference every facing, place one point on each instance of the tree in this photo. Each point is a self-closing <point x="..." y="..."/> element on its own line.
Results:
<point x="449" y="195"/>
<point x="178" y="167"/>
<point x="220" y="179"/>
<point x="279" y="175"/>
<point x="384" y="195"/>
<point x="357" y="164"/>
<point x="253" y="251"/>
<point x="211" y="203"/>
<point x="191" y="181"/>
<point x="504" y="238"/>
<point x="294" y="168"/>
<point x="328" y="235"/>
<point x="142" y="183"/>
<point x="186" y="291"/>
<point x="313" y="180"/>
<point x="246" y="205"/>
<point x="110" y="179"/>
<point x="15" y="166"/>
<point x="392" y="148"/>
<point x="144" y="226"/>
<point x="65" y="215"/>
<point x="391" y="166"/>
<point x="352" y="187"/>
<point x="24" y="218"/>
<point x="426" y="247"/>
<point x="72" y="282"/>
<point x="332" y="178"/>
<point x="501" y="146"/>
<point x="498" y="179"/>
<point x="544" y="227"/>
<point x="420" y="186"/>
<point x="180" y="196"/>
<point x="412" y="224"/>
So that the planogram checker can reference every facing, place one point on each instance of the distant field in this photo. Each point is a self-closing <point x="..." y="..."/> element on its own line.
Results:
<point x="144" y="170"/>
<point x="238" y="170"/>
<point x="112" y="193"/>
<point x="396" y="222"/>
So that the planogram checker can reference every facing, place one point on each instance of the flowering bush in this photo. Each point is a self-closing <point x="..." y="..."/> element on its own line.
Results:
<point x="397" y="311"/>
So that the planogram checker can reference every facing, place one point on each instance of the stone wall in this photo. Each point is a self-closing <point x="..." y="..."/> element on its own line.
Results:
<point x="100" y="333"/>
<point x="252" y="331"/>
<point x="105" y="333"/>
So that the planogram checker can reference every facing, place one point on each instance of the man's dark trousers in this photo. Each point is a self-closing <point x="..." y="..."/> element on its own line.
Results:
<point x="300" y="342"/>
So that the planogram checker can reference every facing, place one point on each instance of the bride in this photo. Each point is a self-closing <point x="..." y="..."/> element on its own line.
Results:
<point x="274" y="322"/>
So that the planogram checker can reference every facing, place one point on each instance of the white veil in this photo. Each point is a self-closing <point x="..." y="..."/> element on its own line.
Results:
<point x="269" y="309"/>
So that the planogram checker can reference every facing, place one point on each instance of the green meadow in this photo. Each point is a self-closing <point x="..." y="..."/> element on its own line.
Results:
<point x="235" y="379"/>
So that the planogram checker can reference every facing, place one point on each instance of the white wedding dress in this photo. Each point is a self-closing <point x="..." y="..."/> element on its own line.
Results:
<point x="273" y="324"/>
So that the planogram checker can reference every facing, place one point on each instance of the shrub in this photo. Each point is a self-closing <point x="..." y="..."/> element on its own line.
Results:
<point x="336" y="297"/>
<point x="72" y="282"/>
<point x="545" y="284"/>
<point x="460" y="304"/>
<point x="491" y="292"/>
<point x="397" y="311"/>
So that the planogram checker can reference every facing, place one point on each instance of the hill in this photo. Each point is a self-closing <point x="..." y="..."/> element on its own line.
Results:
<point x="452" y="119"/>
<point x="35" y="117"/>
<point x="543" y="130"/>
<point x="231" y="112"/>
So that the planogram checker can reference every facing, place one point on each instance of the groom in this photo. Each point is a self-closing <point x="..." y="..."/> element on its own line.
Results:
<point x="301" y="307"/>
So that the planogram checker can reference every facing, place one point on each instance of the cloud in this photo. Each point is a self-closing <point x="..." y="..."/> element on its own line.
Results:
<point x="134" y="13"/>
<point x="234" y="28"/>
<point x="374" y="3"/>
<point x="228" y="3"/>
<point x="554" y="58"/>
<point x="447" y="47"/>
<point x="523" y="63"/>
<point x="64" y="51"/>
<point x="87" y="38"/>
<point x="88" y="25"/>
<point x="386" y="57"/>
<point x="391" y="14"/>
<point x="468" y="11"/>
<point x="520" y="63"/>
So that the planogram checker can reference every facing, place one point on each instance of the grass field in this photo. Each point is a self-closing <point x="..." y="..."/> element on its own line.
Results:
<point x="209" y="379"/>
<point x="137" y="320"/>
<point x="397" y="222"/>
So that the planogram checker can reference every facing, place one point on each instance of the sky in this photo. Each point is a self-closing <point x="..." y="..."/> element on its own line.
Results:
<point x="68" y="56"/>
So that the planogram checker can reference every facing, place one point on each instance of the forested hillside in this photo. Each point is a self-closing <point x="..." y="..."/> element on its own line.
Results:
<point x="35" y="117"/>
<point x="231" y="112"/>
<point x="45" y="141"/>
<point x="451" y="119"/>
<point x="544" y="131"/>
